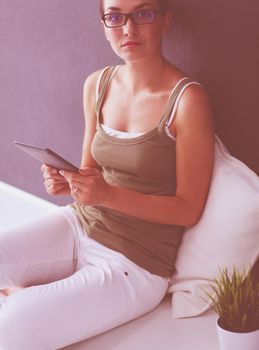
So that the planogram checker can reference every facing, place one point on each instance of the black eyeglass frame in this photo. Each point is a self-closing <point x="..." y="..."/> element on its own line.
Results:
<point x="129" y="15"/>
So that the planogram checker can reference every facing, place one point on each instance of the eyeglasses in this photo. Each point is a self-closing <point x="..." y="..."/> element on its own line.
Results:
<point x="118" y="19"/>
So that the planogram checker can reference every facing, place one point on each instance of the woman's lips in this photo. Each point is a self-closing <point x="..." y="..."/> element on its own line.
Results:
<point x="131" y="43"/>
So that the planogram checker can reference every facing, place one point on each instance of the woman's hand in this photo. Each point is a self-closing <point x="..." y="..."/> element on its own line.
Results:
<point x="88" y="187"/>
<point x="54" y="183"/>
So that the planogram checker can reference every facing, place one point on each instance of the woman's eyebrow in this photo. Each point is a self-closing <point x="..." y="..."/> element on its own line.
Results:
<point x="135" y="8"/>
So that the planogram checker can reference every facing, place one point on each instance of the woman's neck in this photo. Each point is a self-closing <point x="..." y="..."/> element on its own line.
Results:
<point x="148" y="74"/>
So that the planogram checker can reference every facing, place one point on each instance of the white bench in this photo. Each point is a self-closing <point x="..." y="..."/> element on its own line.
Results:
<point x="155" y="330"/>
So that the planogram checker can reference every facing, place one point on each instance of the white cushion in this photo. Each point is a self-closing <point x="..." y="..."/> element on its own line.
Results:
<point x="226" y="235"/>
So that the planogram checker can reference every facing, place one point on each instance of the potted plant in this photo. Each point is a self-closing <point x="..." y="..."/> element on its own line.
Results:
<point x="235" y="298"/>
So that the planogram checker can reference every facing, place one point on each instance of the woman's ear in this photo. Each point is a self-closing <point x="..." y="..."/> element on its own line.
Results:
<point x="106" y="33"/>
<point x="168" y="18"/>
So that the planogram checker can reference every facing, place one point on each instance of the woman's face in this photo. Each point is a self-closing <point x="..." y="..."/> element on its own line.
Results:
<point x="132" y="41"/>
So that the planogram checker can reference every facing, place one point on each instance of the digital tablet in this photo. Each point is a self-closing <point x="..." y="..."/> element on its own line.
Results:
<point x="46" y="156"/>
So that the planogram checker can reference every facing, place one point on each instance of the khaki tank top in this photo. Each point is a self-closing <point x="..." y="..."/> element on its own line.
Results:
<point x="145" y="164"/>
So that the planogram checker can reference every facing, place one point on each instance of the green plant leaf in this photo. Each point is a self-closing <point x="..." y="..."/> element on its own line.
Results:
<point x="235" y="298"/>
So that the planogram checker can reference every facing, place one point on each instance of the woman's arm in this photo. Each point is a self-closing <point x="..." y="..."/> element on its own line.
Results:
<point x="89" y="103"/>
<point x="55" y="184"/>
<point x="194" y="159"/>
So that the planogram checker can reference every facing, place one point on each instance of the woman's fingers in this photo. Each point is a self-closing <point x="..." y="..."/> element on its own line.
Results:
<point x="75" y="191"/>
<point x="55" y="188"/>
<point x="50" y="173"/>
<point x="43" y="168"/>
<point x="89" y="171"/>
<point x="47" y="168"/>
<point x="55" y="176"/>
<point x="81" y="177"/>
<point x="75" y="187"/>
<point x="54" y="183"/>
<point x="87" y="187"/>
<point x="50" y="182"/>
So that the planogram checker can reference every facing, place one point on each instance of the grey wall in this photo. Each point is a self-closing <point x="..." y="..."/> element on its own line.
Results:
<point x="48" y="47"/>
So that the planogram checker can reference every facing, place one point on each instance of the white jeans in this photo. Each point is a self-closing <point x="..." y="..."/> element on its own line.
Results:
<point x="75" y="288"/>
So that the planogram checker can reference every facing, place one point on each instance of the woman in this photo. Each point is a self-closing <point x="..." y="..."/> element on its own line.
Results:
<point x="145" y="172"/>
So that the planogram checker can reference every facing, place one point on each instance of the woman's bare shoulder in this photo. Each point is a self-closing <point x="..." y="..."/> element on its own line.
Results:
<point x="91" y="80"/>
<point x="193" y="93"/>
<point x="194" y="107"/>
<point x="90" y="86"/>
<point x="194" y="96"/>
<point x="89" y="93"/>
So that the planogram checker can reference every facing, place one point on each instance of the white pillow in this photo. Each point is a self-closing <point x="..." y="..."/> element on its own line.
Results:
<point x="226" y="235"/>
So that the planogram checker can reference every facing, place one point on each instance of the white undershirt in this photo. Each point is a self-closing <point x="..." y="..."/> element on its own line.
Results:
<point x="120" y="134"/>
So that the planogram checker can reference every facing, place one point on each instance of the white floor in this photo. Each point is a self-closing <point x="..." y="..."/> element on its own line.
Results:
<point x="156" y="330"/>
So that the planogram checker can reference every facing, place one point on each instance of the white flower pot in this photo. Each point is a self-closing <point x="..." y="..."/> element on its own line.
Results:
<point x="237" y="341"/>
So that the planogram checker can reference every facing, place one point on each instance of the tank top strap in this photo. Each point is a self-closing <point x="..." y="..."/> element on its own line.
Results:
<point x="175" y="93"/>
<point x="102" y="84"/>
